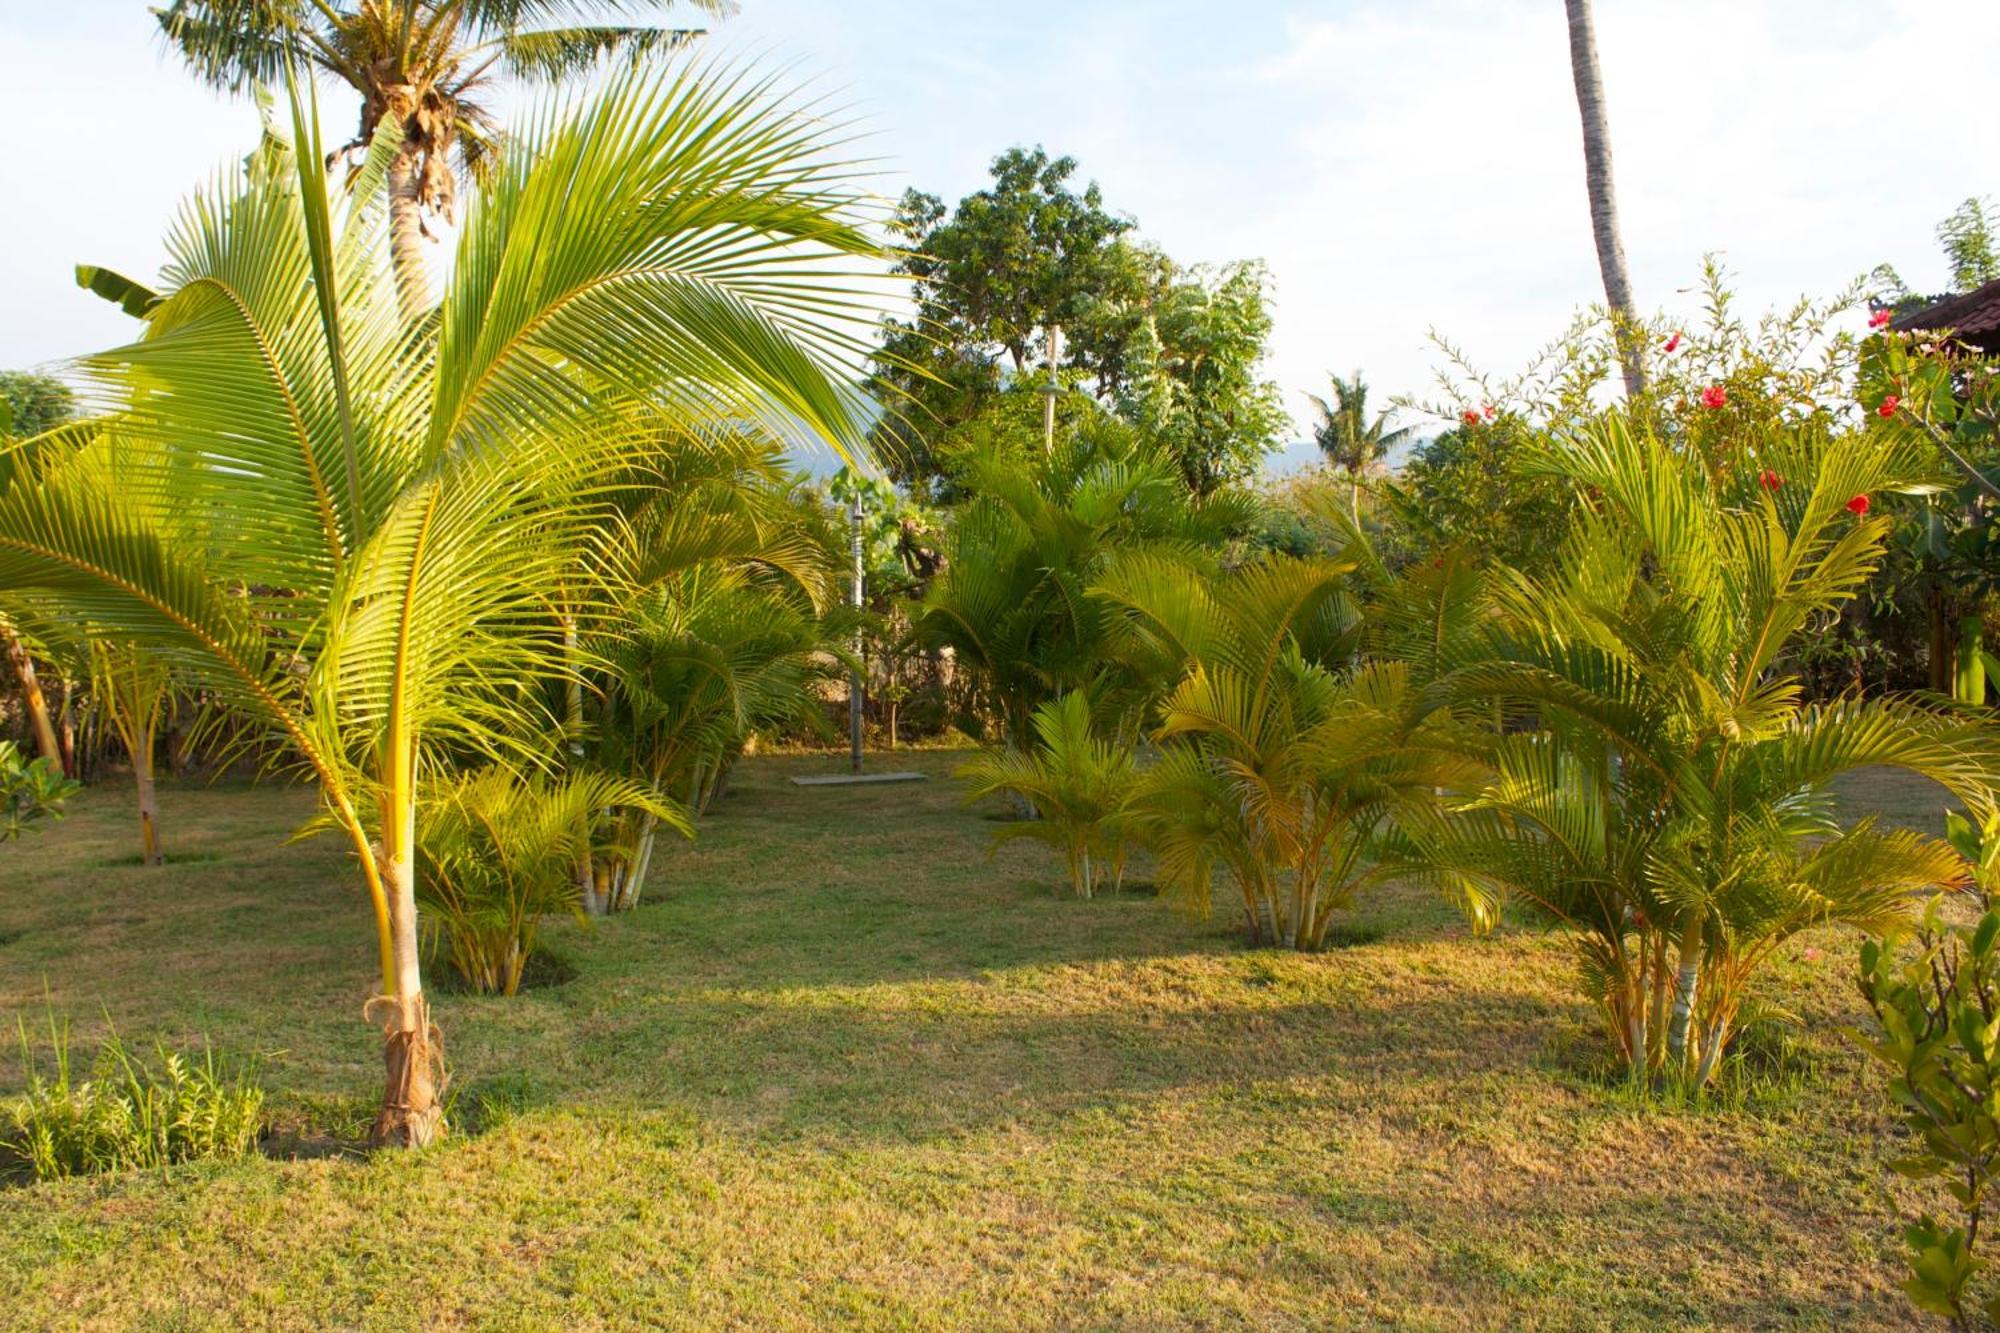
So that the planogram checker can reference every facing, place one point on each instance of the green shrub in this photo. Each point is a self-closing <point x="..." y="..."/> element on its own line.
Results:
<point x="29" y="790"/>
<point x="498" y="851"/>
<point x="1079" y="786"/>
<point x="1936" y="996"/>
<point x="127" y="1114"/>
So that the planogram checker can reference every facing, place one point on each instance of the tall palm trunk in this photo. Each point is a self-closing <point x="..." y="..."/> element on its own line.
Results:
<point x="406" y="234"/>
<point x="1603" y="197"/>
<point x="32" y="699"/>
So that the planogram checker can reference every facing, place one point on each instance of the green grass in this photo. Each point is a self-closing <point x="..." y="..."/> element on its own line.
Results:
<point x="842" y="1068"/>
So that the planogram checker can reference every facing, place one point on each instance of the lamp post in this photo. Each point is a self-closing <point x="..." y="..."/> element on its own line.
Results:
<point x="1049" y="395"/>
<point x="856" y="685"/>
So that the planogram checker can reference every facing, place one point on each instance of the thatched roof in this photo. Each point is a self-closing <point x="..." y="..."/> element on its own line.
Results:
<point x="1973" y="318"/>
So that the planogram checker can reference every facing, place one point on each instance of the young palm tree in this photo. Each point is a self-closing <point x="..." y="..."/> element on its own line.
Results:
<point x="351" y="527"/>
<point x="423" y="66"/>
<point x="1080" y="784"/>
<point x="1664" y="788"/>
<point x="716" y="633"/>
<point x="1297" y="773"/>
<point x="497" y="851"/>
<point x="1589" y="80"/>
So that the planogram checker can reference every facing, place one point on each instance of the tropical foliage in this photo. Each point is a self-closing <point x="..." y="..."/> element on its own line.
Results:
<point x="1078" y="784"/>
<point x="1297" y="773"/>
<point x="30" y="790"/>
<point x="1011" y="599"/>
<point x="344" y="525"/>
<point x="1662" y="786"/>
<point x="424" y="70"/>
<point x="497" y="852"/>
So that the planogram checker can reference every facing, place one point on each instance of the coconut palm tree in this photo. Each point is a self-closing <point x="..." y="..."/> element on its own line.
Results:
<point x="1662" y="786"/>
<point x="424" y="66"/>
<point x="1344" y="432"/>
<point x="1589" y="80"/>
<point x="349" y="527"/>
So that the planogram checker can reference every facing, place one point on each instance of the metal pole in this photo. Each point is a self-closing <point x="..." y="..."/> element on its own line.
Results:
<point x="1049" y="397"/>
<point x="856" y="687"/>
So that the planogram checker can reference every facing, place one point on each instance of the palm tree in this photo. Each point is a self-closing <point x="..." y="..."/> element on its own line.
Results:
<point x="1663" y="788"/>
<point x="1079" y="783"/>
<point x="1296" y="772"/>
<point x="424" y="66"/>
<point x="349" y="528"/>
<point x="1010" y="601"/>
<point x="1345" y="434"/>
<point x="1603" y="196"/>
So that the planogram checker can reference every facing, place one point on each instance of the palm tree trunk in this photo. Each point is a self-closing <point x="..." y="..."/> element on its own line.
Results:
<point x="149" y="810"/>
<point x="1603" y="197"/>
<point x="411" y="1114"/>
<point x="406" y="235"/>
<point x="32" y="699"/>
<point x="1685" y="985"/>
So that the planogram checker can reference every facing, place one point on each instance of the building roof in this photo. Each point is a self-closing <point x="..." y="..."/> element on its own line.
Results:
<point x="1974" y="316"/>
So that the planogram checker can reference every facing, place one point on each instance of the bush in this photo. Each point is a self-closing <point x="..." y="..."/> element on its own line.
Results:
<point x="497" y="852"/>
<point x="1934" y="1000"/>
<point x="1078" y="786"/>
<point x="29" y="790"/>
<point x="128" y="1115"/>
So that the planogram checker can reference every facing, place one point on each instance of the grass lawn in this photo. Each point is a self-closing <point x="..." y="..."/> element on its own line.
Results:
<point x="842" y="1068"/>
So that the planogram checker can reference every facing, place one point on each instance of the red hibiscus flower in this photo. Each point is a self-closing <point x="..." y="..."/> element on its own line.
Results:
<point x="1672" y="342"/>
<point x="1488" y="412"/>
<point x="1858" y="505"/>
<point x="1888" y="408"/>
<point x="1769" y="480"/>
<point x="1472" y="416"/>
<point x="1879" y="319"/>
<point x="1715" y="396"/>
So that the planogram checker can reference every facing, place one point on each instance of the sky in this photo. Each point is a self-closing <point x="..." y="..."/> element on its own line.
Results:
<point x="1401" y="165"/>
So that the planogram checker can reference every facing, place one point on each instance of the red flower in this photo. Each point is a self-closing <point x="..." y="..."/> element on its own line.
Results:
<point x="1858" y="505"/>
<point x="1472" y="416"/>
<point x="1715" y="396"/>
<point x="1488" y="412"/>
<point x="1888" y="408"/>
<point x="1879" y="319"/>
<point x="1769" y="480"/>
<point x="1672" y="342"/>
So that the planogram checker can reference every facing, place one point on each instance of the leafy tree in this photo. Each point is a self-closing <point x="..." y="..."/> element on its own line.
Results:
<point x="1176" y="351"/>
<point x="426" y="67"/>
<point x="1190" y="378"/>
<point x="34" y="403"/>
<point x="1967" y="238"/>
<point x="350" y="529"/>
<point x="1663" y="788"/>
<point x="1079" y="784"/>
